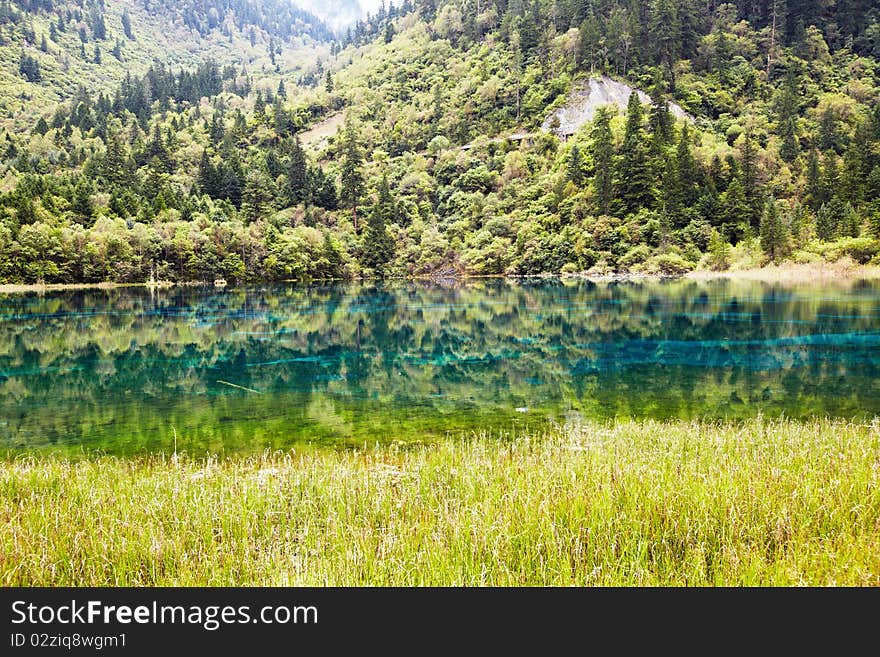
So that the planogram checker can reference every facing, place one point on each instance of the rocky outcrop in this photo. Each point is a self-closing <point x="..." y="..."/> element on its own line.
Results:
<point x="587" y="98"/>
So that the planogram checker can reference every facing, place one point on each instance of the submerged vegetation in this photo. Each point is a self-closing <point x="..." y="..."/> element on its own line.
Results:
<point x="271" y="367"/>
<point x="629" y="503"/>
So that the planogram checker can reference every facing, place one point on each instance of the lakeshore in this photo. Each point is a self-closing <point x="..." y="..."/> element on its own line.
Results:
<point x="785" y="273"/>
<point x="761" y="503"/>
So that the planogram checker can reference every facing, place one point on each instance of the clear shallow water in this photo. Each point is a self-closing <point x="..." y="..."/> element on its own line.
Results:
<point x="273" y="367"/>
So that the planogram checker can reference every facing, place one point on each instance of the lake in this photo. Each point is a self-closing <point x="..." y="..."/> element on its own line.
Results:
<point x="131" y="370"/>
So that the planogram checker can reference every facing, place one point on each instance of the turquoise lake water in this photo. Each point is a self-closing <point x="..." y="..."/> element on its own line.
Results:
<point x="123" y="371"/>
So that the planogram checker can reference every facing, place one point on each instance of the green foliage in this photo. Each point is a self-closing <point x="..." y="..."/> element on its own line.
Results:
<point x="447" y="104"/>
<point x="718" y="255"/>
<point x="378" y="246"/>
<point x="773" y="233"/>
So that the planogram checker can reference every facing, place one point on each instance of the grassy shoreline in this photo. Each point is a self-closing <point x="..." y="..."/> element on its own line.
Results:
<point x="785" y="273"/>
<point x="627" y="503"/>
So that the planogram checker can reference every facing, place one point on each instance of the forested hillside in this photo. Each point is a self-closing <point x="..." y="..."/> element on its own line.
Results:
<point x="204" y="166"/>
<point x="51" y="48"/>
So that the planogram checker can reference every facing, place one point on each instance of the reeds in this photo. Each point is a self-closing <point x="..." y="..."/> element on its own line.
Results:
<point x="627" y="503"/>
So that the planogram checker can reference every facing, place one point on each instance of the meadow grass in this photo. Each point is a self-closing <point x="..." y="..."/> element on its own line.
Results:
<point x="624" y="503"/>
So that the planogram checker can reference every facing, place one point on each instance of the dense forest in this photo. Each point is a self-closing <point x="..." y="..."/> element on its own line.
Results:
<point x="412" y="143"/>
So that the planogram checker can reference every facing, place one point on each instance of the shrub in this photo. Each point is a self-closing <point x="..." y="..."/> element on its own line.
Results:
<point x="667" y="264"/>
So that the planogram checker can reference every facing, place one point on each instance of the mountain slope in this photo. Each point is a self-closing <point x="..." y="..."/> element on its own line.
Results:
<point x="440" y="166"/>
<point x="95" y="43"/>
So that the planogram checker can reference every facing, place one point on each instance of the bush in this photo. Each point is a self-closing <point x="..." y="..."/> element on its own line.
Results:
<point x="667" y="264"/>
<point x="635" y="256"/>
<point x="861" y="249"/>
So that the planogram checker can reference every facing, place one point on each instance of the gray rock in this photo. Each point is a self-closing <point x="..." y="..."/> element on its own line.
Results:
<point x="587" y="98"/>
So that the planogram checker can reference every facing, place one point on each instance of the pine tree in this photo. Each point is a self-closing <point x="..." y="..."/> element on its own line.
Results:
<point x="378" y="247"/>
<point x="830" y="176"/>
<point x="736" y="212"/>
<point x="829" y="218"/>
<point x="29" y="67"/>
<point x="635" y="179"/>
<point x="574" y="171"/>
<point x="660" y="118"/>
<point x="113" y="167"/>
<point x="603" y="158"/>
<point x="206" y="178"/>
<point x="352" y="177"/>
<point x="856" y="165"/>
<point x="126" y="24"/>
<point x="323" y="190"/>
<point x="815" y="195"/>
<point x="789" y="150"/>
<point x="297" y="181"/>
<point x="671" y="194"/>
<point x="773" y="234"/>
<point x="828" y="136"/>
<point x="686" y="169"/>
<point x="81" y="203"/>
<point x="255" y="199"/>
<point x="749" y="178"/>
<point x="850" y="226"/>
<point x="332" y="255"/>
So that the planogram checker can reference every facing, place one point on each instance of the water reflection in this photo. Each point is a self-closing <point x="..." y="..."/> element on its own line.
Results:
<point x="123" y="370"/>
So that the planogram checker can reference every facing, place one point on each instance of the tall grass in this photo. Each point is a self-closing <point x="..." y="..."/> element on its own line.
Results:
<point x="629" y="503"/>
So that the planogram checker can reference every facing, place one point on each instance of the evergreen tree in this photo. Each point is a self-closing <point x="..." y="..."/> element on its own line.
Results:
<point x="297" y="181"/>
<point x="718" y="252"/>
<point x="830" y="176"/>
<point x="352" y="177"/>
<point x="736" y="212"/>
<point x="574" y="171"/>
<point x="789" y="149"/>
<point x="81" y="203"/>
<point x="126" y="24"/>
<point x="856" y="165"/>
<point x="828" y="219"/>
<point x="323" y="190"/>
<point x="660" y="118"/>
<point x="603" y="159"/>
<point x="686" y="169"/>
<point x="114" y="166"/>
<point x="828" y="135"/>
<point x="29" y="67"/>
<point x="378" y="246"/>
<point x="815" y="193"/>
<point x="207" y="177"/>
<point x="255" y="199"/>
<point x="332" y="256"/>
<point x="749" y="178"/>
<point x="773" y="235"/>
<point x="634" y="176"/>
